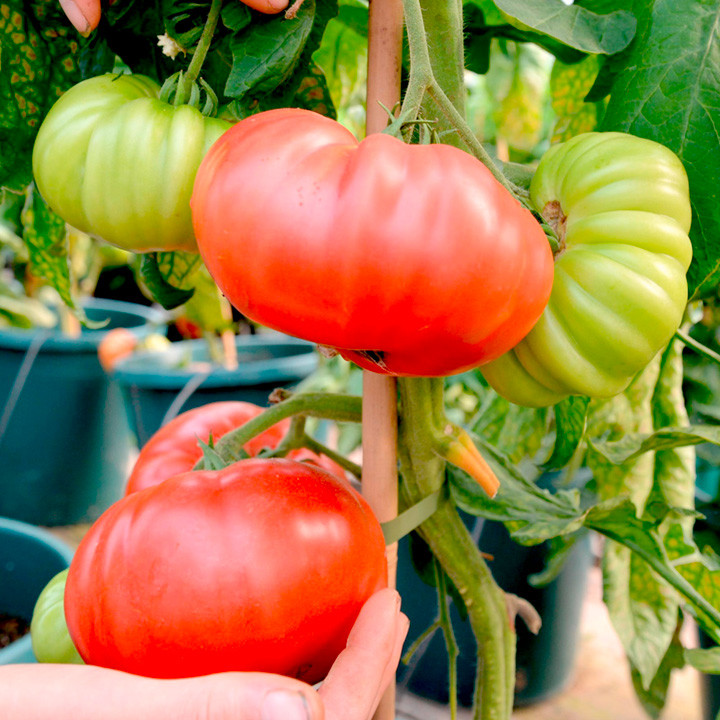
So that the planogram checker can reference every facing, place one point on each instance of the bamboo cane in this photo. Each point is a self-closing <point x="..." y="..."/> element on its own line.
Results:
<point x="379" y="426"/>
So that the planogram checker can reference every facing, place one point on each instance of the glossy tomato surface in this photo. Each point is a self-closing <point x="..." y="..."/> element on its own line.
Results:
<point x="621" y="207"/>
<point x="262" y="566"/>
<point x="175" y="447"/>
<point x="115" y="161"/>
<point x="410" y="259"/>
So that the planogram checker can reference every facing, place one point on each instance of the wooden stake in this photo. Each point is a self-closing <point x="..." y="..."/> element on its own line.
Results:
<point x="230" y="356"/>
<point x="379" y="422"/>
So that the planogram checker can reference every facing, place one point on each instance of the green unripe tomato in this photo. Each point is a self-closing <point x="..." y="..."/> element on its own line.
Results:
<point x="116" y="162"/>
<point x="49" y="634"/>
<point x="621" y="208"/>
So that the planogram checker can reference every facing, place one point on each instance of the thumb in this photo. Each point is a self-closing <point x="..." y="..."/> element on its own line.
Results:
<point x="248" y="696"/>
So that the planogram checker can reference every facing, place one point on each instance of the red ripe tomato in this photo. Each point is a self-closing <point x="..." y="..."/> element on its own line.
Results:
<point x="410" y="259"/>
<point x="261" y="566"/>
<point x="175" y="448"/>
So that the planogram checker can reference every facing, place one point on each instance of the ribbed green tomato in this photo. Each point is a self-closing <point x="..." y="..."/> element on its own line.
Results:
<point x="48" y="630"/>
<point x="621" y="208"/>
<point x="115" y="161"/>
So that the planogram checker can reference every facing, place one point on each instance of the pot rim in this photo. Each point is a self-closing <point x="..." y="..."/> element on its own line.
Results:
<point x="53" y="340"/>
<point x="148" y="369"/>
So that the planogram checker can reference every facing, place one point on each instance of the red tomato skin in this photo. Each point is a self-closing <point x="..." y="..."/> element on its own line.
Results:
<point x="414" y="253"/>
<point x="262" y="566"/>
<point x="174" y="448"/>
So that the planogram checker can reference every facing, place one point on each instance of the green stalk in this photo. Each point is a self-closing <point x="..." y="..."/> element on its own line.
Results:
<point x="423" y="472"/>
<point x="193" y="72"/>
<point x="697" y="346"/>
<point x="440" y="77"/>
<point x="341" y="408"/>
<point x="444" y="41"/>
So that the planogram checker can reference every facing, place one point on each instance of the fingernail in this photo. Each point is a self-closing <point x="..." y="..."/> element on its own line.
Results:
<point x="285" y="705"/>
<point x="75" y="16"/>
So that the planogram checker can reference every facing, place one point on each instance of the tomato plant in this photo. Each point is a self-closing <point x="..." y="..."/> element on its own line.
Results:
<point x="175" y="448"/>
<point x="411" y="260"/>
<point x="51" y="640"/>
<point x="413" y="270"/>
<point x="115" y="161"/>
<point x="622" y="210"/>
<point x="261" y="566"/>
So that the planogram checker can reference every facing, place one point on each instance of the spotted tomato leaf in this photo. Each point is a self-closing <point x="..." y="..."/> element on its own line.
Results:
<point x="38" y="61"/>
<point x="45" y="235"/>
<point x="569" y="84"/>
<point x="162" y="273"/>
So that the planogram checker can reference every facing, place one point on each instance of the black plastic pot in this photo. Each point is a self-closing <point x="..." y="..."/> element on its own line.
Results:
<point x="156" y="387"/>
<point x="65" y="443"/>
<point x="544" y="662"/>
<point x="29" y="558"/>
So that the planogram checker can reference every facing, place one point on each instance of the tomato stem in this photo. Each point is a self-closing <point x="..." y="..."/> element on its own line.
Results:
<point x="423" y="472"/>
<point x="191" y="75"/>
<point x="697" y="346"/>
<point x="422" y="82"/>
<point x="341" y="408"/>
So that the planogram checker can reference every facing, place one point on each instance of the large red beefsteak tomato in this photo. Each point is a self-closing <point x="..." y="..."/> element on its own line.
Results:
<point x="175" y="447"/>
<point x="261" y="566"/>
<point x="409" y="259"/>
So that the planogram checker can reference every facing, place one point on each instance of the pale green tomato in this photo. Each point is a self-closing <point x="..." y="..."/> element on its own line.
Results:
<point x="116" y="162"/>
<point x="621" y="208"/>
<point x="51" y="641"/>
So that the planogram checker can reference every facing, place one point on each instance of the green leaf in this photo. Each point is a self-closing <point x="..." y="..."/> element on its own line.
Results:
<point x="531" y="513"/>
<point x="313" y="93"/>
<point x="44" y="233"/>
<point x="211" y="459"/>
<point x="483" y="22"/>
<point x="678" y="561"/>
<point x="179" y="268"/>
<point x="704" y="660"/>
<point x="654" y="696"/>
<point x="674" y="467"/>
<point x="514" y="430"/>
<point x="38" y="61"/>
<point x="572" y="25"/>
<point x="204" y="308"/>
<point x="162" y="291"/>
<point x="667" y="91"/>
<point x="266" y="53"/>
<point x="236" y="16"/>
<point x="342" y="55"/>
<point x="633" y="445"/>
<point x="643" y="609"/>
<point x="570" y="422"/>
<point x="569" y="84"/>
<point x="559" y="549"/>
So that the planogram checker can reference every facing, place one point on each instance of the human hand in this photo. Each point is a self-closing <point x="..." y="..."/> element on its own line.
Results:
<point x="83" y="14"/>
<point x="351" y="690"/>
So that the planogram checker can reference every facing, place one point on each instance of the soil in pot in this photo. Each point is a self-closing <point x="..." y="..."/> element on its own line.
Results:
<point x="12" y="628"/>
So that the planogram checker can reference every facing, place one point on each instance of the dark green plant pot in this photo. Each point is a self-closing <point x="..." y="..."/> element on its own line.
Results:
<point x="64" y="439"/>
<point x="544" y="661"/>
<point x="156" y="387"/>
<point x="709" y="685"/>
<point x="29" y="559"/>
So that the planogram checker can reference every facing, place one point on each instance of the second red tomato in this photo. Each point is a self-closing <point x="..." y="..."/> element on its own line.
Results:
<point x="175" y="448"/>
